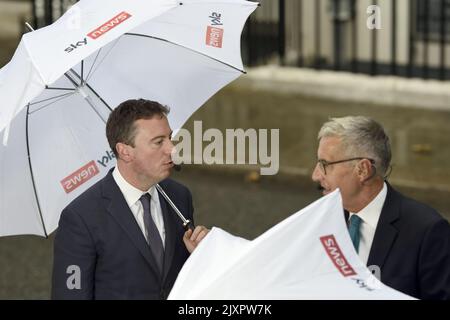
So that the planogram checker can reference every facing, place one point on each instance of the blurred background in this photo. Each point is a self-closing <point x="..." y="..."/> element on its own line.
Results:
<point x="307" y="61"/>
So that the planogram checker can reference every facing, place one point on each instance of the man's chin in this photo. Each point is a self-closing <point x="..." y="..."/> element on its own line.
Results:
<point x="166" y="173"/>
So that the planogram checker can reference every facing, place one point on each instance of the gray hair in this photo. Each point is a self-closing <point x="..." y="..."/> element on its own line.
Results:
<point x="360" y="137"/>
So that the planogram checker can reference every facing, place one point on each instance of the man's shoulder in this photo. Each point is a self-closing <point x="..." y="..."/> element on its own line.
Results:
<point x="415" y="212"/>
<point x="89" y="197"/>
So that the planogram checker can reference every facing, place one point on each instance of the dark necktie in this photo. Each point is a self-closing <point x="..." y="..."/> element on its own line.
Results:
<point x="153" y="237"/>
<point x="353" y="229"/>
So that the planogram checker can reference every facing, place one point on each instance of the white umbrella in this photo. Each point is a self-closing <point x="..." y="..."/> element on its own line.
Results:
<point x="64" y="79"/>
<point x="309" y="255"/>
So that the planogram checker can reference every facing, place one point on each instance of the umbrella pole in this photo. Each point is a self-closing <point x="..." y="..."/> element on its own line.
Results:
<point x="88" y="99"/>
<point x="187" y="224"/>
<point x="79" y="86"/>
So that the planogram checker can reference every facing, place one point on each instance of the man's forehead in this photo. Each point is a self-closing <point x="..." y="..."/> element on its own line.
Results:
<point x="329" y="146"/>
<point x="330" y="141"/>
<point x="155" y="125"/>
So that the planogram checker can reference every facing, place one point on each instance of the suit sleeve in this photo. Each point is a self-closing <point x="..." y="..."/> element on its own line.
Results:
<point x="74" y="259"/>
<point x="434" y="265"/>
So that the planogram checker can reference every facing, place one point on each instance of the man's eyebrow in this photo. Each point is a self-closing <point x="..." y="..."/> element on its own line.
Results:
<point x="161" y="136"/>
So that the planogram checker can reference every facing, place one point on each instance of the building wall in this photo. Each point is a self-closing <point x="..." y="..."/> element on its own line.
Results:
<point x="13" y="14"/>
<point x="301" y="26"/>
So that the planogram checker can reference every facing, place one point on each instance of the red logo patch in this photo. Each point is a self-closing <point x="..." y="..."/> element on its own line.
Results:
<point x="335" y="254"/>
<point x="76" y="179"/>
<point x="214" y="37"/>
<point x="108" y="26"/>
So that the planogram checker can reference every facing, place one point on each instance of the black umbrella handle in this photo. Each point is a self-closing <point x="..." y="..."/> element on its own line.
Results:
<point x="188" y="225"/>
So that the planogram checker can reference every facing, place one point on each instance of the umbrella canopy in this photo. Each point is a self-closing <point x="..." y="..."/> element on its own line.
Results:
<point x="64" y="79"/>
<point x="309" y="255"/>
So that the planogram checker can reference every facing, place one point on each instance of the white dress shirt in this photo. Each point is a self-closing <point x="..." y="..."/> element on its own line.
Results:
<point x="132" y="196"/>
<point x="369" y="216"/>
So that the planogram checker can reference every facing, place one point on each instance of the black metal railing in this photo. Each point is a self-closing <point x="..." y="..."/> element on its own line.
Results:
<point x="413" y="41"/>
<point x="332" y="34"/>
<point x="47" y="11"/>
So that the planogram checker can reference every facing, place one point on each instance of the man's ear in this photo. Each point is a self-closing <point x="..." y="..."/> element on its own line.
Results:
<point x="124" y="151"/>
<point x="365" y="170"/>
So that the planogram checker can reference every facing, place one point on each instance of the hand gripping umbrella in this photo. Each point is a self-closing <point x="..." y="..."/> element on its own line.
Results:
<point x="64" y="79"/>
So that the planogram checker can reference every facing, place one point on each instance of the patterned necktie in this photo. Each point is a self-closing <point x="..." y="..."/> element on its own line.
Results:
<point x="153" y="237"/>
<point x="353" y="229"/>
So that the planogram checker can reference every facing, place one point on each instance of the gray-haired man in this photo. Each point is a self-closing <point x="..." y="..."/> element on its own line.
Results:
<point x="407" y="240"/>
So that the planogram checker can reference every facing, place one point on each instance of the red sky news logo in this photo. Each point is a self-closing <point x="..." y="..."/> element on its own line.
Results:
<point x="214" y="37"/>
<point x="335" y="254"/>
<point x="108" y="26"/>
<point x="77" y="178"/>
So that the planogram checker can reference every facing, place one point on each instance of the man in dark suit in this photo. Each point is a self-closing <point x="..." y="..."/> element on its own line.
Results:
<point x="404" y="241"/>
<point x="120" y="239"/>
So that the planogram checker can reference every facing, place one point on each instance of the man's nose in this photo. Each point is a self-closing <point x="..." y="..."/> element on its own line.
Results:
<point x="170" y="148"/>
<point x="316" y="174"/>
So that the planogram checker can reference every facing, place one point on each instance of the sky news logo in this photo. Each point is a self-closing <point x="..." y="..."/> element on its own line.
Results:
<point x="77" y="178"/>
<point x="214" y="34"/>
<point x="100" y="31"/>
<point x="334" y="252"/>
<point x="214" y="37"/>
<point x="108" y="26"/>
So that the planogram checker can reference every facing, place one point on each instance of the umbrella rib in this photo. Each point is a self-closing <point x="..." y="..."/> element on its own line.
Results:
<point x="56" y="88"/>
<point x="93" y="64"/>
<point x="58" y="98"/>
<point x="82" y="71"/>
<point x="32" y="174"/>
<point x="179" y="45"/>
<point x="92" y="89"/>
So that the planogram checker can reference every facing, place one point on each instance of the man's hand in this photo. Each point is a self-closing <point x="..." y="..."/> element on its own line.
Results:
<point x="192" y="239"/>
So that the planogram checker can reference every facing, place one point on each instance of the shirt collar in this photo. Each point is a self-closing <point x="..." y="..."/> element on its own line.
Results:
<point x="131" y="194"/>
<point x="370" y="214"/>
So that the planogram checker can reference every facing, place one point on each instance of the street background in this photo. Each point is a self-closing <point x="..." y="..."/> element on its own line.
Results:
<point x="304" y="66"/>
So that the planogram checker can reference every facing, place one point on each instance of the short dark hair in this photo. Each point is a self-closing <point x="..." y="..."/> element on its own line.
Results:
<point x="121" y="121"/>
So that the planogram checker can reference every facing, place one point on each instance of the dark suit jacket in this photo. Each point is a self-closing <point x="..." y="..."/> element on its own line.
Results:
<point x="412" y="248"/>
<point x="98" y="233"/>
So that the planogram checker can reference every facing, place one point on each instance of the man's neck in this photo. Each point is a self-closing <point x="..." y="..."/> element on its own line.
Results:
<point x="366" y="196"/>
<point x="132" y="178"/>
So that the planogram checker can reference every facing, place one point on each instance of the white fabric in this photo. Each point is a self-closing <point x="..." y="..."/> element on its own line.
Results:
<point x="289" y="261"/>
<point x="40" y="58"/>
<point x="369" y="215"/>
<point x="160" y="52"/>
<point x="132" y="196"/>
<point x="62" y="138"/>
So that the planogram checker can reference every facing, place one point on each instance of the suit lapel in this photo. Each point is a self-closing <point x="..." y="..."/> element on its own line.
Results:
<point x="118" y="208"/>
<point x="386" y="232"/>
<point x="171" y="234"/>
